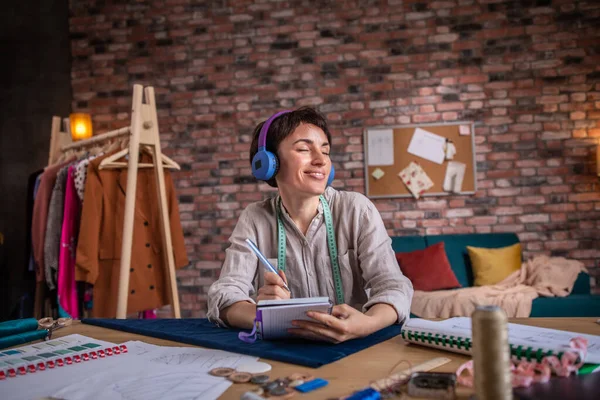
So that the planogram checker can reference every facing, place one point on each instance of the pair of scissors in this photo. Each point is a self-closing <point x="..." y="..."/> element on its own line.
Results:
<point x="50" y="324"/>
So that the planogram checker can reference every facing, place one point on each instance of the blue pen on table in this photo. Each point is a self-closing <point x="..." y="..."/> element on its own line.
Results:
<point x="264" y="260"/>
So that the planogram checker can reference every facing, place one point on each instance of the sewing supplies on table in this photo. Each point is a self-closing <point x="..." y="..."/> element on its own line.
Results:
<point x="395" y="383"/>
<point x="15" y="332"/>
<point x="400" y="376"/>
<point x="285" y="387"/>
<point x="436" y="385"/>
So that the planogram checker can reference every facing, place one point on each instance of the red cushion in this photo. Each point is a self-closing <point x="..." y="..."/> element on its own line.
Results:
<point x="428" y="269"/>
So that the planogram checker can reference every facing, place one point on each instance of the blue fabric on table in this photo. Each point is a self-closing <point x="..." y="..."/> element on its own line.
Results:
<point x="201" y="332"/>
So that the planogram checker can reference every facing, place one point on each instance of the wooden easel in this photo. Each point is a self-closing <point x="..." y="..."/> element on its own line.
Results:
<point x="143" y="134"/>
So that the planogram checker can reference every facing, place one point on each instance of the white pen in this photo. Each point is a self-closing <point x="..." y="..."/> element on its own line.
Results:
<point x="264" y="260"/>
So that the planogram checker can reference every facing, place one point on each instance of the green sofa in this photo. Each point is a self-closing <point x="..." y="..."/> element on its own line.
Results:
<point x="580" y="303"/>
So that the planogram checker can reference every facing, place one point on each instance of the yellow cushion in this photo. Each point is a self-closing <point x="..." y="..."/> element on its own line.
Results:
<point x="490" y="266"/>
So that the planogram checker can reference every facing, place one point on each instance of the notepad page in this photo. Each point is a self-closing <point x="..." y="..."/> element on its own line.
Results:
<point x="277" y="320"/>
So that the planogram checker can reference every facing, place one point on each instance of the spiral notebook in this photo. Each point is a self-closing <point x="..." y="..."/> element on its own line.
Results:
<point x="61" y="352"/>
<point x="526" y="342"/>
<point x="274" y="317"/>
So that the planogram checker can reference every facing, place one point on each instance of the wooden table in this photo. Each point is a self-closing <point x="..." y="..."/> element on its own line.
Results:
<point x="353" y="372"/>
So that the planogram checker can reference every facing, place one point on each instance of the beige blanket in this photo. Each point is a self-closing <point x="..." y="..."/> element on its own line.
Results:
<point x="541" y="276"/>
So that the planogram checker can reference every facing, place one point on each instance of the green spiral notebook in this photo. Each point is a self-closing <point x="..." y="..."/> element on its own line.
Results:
<point x="526" y="342"/>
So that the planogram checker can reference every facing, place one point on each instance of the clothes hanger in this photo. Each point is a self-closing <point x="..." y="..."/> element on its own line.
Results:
<point x="111" y="162"/>
<point x="114" y="145"/>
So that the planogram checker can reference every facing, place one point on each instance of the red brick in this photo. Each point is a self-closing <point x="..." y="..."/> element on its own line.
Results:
<point x="534" y="218"/>
<point x="561" y="245"/>
<point x="490" y="220"/>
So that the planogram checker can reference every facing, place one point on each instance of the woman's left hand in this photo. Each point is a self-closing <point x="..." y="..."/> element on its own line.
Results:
<point x="343" y="324"/>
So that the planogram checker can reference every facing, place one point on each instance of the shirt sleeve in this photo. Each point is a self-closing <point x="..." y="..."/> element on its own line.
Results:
<point x="380" y="268"/>
<point x="239" y="269"/>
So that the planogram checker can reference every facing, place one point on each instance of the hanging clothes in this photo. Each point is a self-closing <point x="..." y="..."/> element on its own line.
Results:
<point x="40" y="215"/>
<point x="54" y="227"/>
<point x="101" y="237"/>
<point x="67" y="289"/>
<point x="38" y="232"/>
<point x="80" y="175"/>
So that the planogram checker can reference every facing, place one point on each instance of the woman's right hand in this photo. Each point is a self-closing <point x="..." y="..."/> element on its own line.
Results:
<point x="273" y="288"/>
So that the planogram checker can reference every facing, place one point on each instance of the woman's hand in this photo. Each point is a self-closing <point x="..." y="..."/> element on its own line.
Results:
<point x="273" y="288"/>
<point x="343" y="324"/>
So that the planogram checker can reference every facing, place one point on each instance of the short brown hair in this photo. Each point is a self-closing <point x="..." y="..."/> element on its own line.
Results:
<point x="284" y="126"/>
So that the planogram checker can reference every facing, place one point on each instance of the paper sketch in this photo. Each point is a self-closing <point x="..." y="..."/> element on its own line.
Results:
<point x="144" y="372"/>
<point x="139" y="348"/>
<point x="195" y="359"/>
<point x="380" y="147"/>
<point x="428" y="145"/>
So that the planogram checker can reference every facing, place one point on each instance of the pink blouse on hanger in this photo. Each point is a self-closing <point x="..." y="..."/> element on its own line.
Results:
<point x="67" y="289"/>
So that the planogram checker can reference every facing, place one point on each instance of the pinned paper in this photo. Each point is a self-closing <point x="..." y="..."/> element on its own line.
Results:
<point x="427" y="145"/>
<point x="380" y="147"/>
<point x="455" y="173"/>
<point x="415" y="179"/>
<point x="378" y="173"/>
<point x="464" y="130"/>
<point x="450" y="150"/>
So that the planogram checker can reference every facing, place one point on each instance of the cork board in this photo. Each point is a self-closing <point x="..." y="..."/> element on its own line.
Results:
<point x="394" y="156"/>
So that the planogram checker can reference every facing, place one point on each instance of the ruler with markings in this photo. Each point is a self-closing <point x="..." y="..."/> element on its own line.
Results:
<point x="385" y="383"/>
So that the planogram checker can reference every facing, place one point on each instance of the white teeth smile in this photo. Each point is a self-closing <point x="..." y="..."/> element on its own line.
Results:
<point x="316" y="174"/>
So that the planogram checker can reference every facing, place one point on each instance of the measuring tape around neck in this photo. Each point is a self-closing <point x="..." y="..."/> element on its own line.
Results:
<point x="331" y="244"/>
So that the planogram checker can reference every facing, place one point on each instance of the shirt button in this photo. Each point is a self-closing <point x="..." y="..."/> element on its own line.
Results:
<point x="133" y="292"/>
<point x="147" y="244"/>
<point x="151" y="287"/>
<point x="130" y="269"/>
<point x="145" y="223"/>
<point x="149" y="265"/>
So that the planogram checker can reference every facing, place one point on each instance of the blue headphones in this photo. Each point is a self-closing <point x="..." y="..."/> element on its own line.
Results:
<point x="264" y="163"/>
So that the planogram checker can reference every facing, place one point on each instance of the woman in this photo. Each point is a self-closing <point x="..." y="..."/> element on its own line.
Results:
<point x="356" y="268"/>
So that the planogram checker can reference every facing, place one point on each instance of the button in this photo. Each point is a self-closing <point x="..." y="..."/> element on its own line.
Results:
<point x="147" y="244"/>
<point x="149" y="265"/>
<point x="151" y="287"/>
<point x="133" y="292"/>
<point x="145" y="223"/>
<point x="130" y="269"/>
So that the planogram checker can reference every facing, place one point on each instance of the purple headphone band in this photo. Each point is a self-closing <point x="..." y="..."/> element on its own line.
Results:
<point x="262" y="137"/>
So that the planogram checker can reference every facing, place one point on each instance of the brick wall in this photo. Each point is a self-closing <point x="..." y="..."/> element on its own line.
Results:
<point x="525" y="71"/>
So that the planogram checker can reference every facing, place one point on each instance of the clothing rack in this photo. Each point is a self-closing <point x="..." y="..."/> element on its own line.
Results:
<point x="143" y="132"/>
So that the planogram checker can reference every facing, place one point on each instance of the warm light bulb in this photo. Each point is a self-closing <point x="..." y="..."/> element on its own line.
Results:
<point x="81" y="126"/>
<point x="80" y="129"/>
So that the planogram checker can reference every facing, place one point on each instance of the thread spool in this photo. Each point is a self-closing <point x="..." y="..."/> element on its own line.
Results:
<point x="491" y="354"/>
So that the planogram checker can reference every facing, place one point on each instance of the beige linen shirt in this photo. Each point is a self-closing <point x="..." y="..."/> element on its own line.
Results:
<point x="368" y="266"/>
